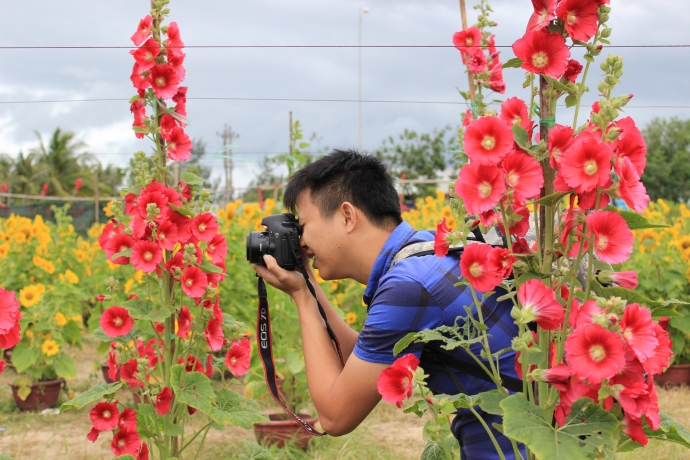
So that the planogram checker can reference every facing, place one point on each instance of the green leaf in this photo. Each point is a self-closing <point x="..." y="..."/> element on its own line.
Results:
<point x="682" y="323"/>
<point x="92" y="394"/>
<point x="520" y="135"/>
<point x="23" y="357"/>
<point x="588" y="427"/>
<point x="256" y="452"/>
<point x="669" y="430"/>
<point x="174" y="430"/>
<point x="514" y="63"/>
<point x="570" y="100"/>
<point x="65" y="366"/>
<point x="234" y="409"/>
<point x="658" y="309"/>
<point x="124" y="253"/>
<point x="433" y="451"/>
<point x="491" y="401"/>
<point x="589" y="58"/>
<point x="192" y="388"/>
<point x="146" y="310"/>
<point x="295" y="362"/>
<point x="181" y="210"/>
<point x="72" y="332"/>
<point x="191" y="178"/>
<point x="557" y="84"/>
<point x="207" y="267"/>
<point x="100" y="334"/>
<point x="6" y="457"/>
<point x="551" y="200"/>
<point x="634" y="220"/>
<point x="125" y="457"/>
<point x="404" y="343"/>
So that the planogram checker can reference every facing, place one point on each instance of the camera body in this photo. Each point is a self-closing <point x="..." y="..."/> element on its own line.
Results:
<point x="282" y="230"/>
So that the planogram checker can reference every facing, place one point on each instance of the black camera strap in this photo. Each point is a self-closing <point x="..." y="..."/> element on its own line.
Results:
<point x="265" y="341"/>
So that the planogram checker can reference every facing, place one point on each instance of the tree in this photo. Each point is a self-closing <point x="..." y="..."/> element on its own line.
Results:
<point x="667" y="173"/>
<point x="419" y="156"/>
<point x="60" y="162"/>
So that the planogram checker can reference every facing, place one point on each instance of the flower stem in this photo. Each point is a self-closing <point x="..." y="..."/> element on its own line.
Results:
<point x="489" y="432"/>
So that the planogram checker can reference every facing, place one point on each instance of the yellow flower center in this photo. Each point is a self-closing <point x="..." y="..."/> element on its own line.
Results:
<point x="485" y="190"/>
<point x="597" y="353"/>
<point x="517" y="120"/>
<point x="148" y="256"/>
<point x="233" y="360"/>
<point x="488" y="142"/>
<point x="590" y="168"/>
<point x="202" y="227"/>
<point x="149" y="56"/>
<point x="603" y="242"/>
<point x="118" y="321"/>
<point x="513" y="178"/>
<point x="160" y="81"/>
<point x="469" y="41"/>
<point x="189" y="283"/>
<point x="476" y="270"/>
<point x="540" y="60"/>
<point x="106" y="414"/>
<point x="571" y="18"/>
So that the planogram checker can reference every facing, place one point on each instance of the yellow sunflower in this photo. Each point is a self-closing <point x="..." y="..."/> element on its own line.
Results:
<point x="71" y="277"/>
<point x="683" y="243"/>
<point x="350" y="317"/>
<point x="60" y="319"/>
<point x="29" y="296"/>
<point x="50" y="348"/>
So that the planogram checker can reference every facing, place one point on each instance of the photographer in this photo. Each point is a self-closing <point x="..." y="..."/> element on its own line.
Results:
<point x="352" y="228"/>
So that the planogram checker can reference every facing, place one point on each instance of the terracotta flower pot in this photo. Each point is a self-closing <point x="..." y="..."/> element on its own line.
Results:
<point x="106" y="377"/>
<point x="281" y="429"/>
<point x="43" y="395"/>
<point x="676" y="375"/>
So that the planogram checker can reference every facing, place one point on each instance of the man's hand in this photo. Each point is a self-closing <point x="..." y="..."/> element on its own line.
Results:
<point x="290" y="282"/>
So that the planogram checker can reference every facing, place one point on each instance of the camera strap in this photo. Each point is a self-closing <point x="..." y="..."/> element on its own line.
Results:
<point x="265" y="341"/>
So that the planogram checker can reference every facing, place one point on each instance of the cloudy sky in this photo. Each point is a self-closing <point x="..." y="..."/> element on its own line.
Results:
<point x="656" y="76"/>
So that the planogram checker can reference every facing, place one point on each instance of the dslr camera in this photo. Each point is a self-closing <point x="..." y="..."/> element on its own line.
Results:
<point x="282" y="231"/>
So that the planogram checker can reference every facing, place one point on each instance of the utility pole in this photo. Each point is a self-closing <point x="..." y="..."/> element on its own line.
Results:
<point x="228" y="135"/>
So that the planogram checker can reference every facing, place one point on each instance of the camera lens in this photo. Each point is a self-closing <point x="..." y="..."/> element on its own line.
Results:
<point x="257" y="246"/>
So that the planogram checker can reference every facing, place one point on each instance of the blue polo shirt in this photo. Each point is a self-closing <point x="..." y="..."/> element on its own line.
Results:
<point x="419" y="293"/>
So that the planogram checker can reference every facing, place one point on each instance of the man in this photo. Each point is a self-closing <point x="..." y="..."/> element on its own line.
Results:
<point x="352" y="228"/>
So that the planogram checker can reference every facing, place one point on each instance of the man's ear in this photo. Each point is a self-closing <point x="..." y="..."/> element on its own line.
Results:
<point x="350" y="216"/>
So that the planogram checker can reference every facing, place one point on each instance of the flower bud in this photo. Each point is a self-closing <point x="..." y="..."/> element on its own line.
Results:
<point x="606" y="33"/>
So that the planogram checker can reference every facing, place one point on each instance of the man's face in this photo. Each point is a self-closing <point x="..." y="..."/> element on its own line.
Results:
<point x="322" y="239"/>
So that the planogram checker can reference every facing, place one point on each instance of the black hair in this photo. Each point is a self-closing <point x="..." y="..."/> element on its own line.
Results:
<point x="347" y="175"/>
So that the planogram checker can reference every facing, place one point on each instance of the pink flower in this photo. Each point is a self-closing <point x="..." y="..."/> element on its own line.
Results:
<point x="661" y="358"/>
<point x="631" y="144"/>
<point x="166" y="235"/>
<point x="441" y="244"/>
<point x="128" y="420"/>
<point x="543" y="53"/>
<point x="488" y="140"/>
<point x="558" y="376"/>
<point x="518" y="228"/>
<point x="146" y="55"/>
<point x="146" y="255"/>
<point x="630" y="188"/>
<point x="194" y="282"/>
<point x="9" y="311"/>
<point x="476" y="269"/>
<point x="214" y="334"/>
<point x="168" y="123"/>
<point x="143" y="30"/>
<point x="395" y="383"/>
<point x="542" y="15"/>
<point x="514" y="112"/>
<point x="238" y="356"/>
<point x="560" y="140"/>
<point x="468" y="118"/>
<point x="480" y="187"/>
<point x="164" y="80"/>
<point x="217" y="249"/>
<point x="613" y="240"/>
<point x="157" y="198"/>
<point x="129" y="372"/>
<point x="112" y="366"/>
<point x="477" y="62"/>
<point x="184" y="322"/>
<point x="539" y="304"/>
<point x="573" y="71"/>
<point x="523" y="174"/>
<point x="126" y="442"/>
<point x="204" y="226"/>
<point x="163" y="401"/>
<point x="116" y="321"/>
<point x="587" y="164"/>
<point x="3" y="364"/>
<point x="633" y="429"/>
<point x="627" y="279"/>
<point x="594" y="353"/>
<point x="467" y="41"/>
<point x="174" y="45"/>
<point x="117" y="244"/>
<point x="179" y="145"/>
<point x="104" y="416"/>
<point x="580" y="18"/>
<point x="93" y="435"/>
<point x="501" y="261"/>
<point x="638" y="331"/>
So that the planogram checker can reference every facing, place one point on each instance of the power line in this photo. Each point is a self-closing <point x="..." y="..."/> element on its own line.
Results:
<point x="276" y="99"/>
<point x="309" y="47"/>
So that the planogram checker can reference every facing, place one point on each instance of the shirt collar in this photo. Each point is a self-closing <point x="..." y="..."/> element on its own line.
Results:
<point x="394" y="243"/>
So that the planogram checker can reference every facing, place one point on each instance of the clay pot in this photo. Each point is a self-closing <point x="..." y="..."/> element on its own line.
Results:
<point x="676" y="375"/>
<point x="7" y="355"/>
<point x="106" y="377"/>
<point x="281" y="429"/>
<point x="43" y="395"/>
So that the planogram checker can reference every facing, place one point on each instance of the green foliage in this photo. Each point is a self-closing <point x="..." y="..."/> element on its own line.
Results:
<point x="192" y="388"/>
<point x="91" y="395"/>
<point x="231" y="408"/>
<point x="667" y="173"/>
<point x="669" y="430"/>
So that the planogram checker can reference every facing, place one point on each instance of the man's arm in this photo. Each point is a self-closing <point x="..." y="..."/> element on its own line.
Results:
<point x="343" y="396"/>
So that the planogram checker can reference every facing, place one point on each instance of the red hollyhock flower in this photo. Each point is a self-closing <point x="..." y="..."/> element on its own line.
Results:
<point x="112" y="366"/>
<point x="146" y="55"/>
<point x="631" y="144"/>
<point x="523" y="174"/>
<point x="208" y="372"/>
<point x="467" y="41"/>
<point x="9" y="311"/>
<point x="580" y="18"/>
<point x="468" y="118"/>
<point x="143" y="30"/>
<point x="104" y="416"/>
<point x="630" y="188"/>
<point x="558" y="376"/>
<point x="217" y="312"/>
<point x="140" y="84"/>
<point x="163" y="401"/>
<point x="111" y="229"/>
<point x="158" y="198"/>
<point x="501" y="261"/>
<point x="194" y="282"/>
<point x="542" y="15"/>
<point x="586" y="312"/>
<point x="539" y="304"/>
<point x="627" y="279"/>
<point x="146" y="255"/>
<point x="184" y="226"/>
<point x="192" y="364"/>
<point x="237" y="357"/>
<point x="217" y="249"/>
<point x="638" y="331"/>
<point x="594" y="353"/>
<point x="166" y="235"/>
<point x="181" y="96"/>
<point x="164" y="80"/>
<point x="519" y="228"/>
<point x="214" y="334"/>
<point x="480" y="187"/>
<point x="477" y="62"/>
<point x="441" y="244"/>
<point x="514" y="112"/>
<point x="11" y="337"/>
<point x="184" y="322"/>
<point x="93" y="435"/>
<point x="543" y="53"/>
<point x="116" y="244"/>
<point x="174" y="45"/>
<point x="3" y="364"/>
<point x="144" y="452"/>
<point x="175" y="265"/>
<point x="204" y="226"/>
<point x="573" y="71"/>
<point x="214" y="278"/>
<point x="128" y="420"/>
<point x="488" y="140"/>
<point x="587" y="164"/>
<point x="395" y="383"/>
<point x="129" y="372"/>
<point x="631" y="373"/>
<point x="560" y="140"/>
<point x="575" y="391"/>
<point x="139" y="111"/>
<point x="662" y="354"/>
<point x="634" y="399"/>
<point x="179" y="145"/>
<point x="652" y="413"/>
<point x="116" y="321"/>
<point x="126" y="442"/>
<point x="633" y="429"/>
<point x="613" y="240"/>
<point x="476" y="269"/>
<point x="168" y="123"/>
<point x="487" y="218"/>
